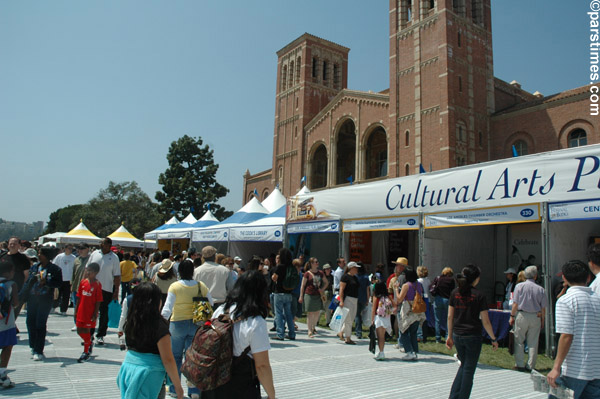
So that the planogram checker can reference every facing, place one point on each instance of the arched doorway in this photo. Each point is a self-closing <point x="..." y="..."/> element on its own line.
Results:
<point x="346" y="153"/>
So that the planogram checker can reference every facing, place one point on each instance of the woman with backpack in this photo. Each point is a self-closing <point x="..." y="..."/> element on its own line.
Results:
<point x="467" y="312"/>
<point x="149" y="356"/>
<point x="410" y="319"/>
<point x="312" y="291"/>
<point x="286" y="279"/>
<point x="247" y="306"/>
<point x="381" y="315"/>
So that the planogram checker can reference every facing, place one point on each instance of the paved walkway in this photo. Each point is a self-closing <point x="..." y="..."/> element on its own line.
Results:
<point x="322" y="367"/>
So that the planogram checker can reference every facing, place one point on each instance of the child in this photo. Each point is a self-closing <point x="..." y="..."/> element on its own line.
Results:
<point x="88" y="304"/>
<point x="383" y="308"/>
<point x="8" y="330"/>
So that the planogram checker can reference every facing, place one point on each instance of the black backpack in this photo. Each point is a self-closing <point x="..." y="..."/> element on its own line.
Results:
<point x="291" y="279"/>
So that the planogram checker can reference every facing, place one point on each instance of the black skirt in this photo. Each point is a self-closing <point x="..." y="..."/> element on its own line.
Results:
<point x="244" y="383"/>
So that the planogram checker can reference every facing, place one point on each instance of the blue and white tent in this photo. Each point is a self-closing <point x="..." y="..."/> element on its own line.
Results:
<point x="178" y="230"/>
<point x="152" y="234"/>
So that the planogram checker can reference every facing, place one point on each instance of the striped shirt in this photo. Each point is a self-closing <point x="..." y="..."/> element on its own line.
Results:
<point x="578" y="314"/>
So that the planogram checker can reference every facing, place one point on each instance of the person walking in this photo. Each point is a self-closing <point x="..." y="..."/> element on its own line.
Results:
<point x="282" y="296"/>
<point x="467" y="313"/>
<point x="349" y="287"/>
<point x="409" y="321"/>
<point x="383" y="307"/>
<point x="314" y="284"/>
<point x="66" y="261"/>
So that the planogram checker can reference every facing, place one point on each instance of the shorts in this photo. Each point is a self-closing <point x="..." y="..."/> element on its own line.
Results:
<point x="8" y="337"/>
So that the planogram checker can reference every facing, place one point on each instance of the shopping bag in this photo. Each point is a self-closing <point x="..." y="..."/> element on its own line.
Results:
<point x="338" y="318"/>
<point x="114" y="314"/>
<point x="366" y="314"/>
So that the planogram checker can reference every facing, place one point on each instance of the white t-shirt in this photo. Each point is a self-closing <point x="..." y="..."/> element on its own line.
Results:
<point x="578" y="314"/>
<point x="110" y="267"/>
<point x="425" y="282"/>
<point x="66" y="263"/>
<point x="248" y="332"/>
<point x="595" y="286"/>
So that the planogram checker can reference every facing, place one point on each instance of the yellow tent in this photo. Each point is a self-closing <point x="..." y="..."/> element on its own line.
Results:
<point x="124" y="238"/>
<point x="79" y="233"/>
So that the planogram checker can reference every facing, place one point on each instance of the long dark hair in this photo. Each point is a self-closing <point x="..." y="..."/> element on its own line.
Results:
<point x="285" y="257"/>
<point x="380" y="290"/>
<point x="249" y="295"/>
<point x="466" y="277"/>
<point x="169" y="274"/>
<point x="143" y="315"/>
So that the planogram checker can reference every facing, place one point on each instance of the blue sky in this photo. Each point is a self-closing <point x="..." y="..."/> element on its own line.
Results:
<point x="93" y="91"/>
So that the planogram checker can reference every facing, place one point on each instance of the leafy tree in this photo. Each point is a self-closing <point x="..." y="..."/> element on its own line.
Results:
<point x="190" y="183"/>
<point x="64" y="219"/>
<point x="121" y="203"/>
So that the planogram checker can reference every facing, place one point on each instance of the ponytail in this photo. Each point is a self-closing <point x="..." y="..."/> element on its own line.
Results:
<point x="465" y="280"/>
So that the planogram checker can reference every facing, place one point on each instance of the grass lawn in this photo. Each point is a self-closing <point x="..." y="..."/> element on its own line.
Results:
<point x="499" y="358"/>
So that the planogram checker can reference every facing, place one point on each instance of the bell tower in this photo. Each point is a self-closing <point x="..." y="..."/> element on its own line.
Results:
<point x="441" y="83"/>
<point x="310" y="72"/>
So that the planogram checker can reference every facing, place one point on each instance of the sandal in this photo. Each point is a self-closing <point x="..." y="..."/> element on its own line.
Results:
<point x="350" y="342"/>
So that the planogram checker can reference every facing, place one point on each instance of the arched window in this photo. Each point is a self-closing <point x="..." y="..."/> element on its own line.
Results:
<point x="408" y="10"/>
<point x="520" y="147"/>
<point x="376" y="155"/>
<point x="461" y="132"/>
<point x="346" y="153"/>
<point x="318" y="176"/>
<point x="407" y="170"/>
<point x="476" y="11"/>
<point x="280" y="177"/>
<point x="291" y="82"/>
<point x="407" y="138"/>
<point x="265" y="194"/>
<point x="298" y="63"/>
<point x="283" y="77"/>
<point x="315" y="63"/>
<point x="577" y="138"/>
<point x="295" y="132"/>
<point x="336" y="76"/>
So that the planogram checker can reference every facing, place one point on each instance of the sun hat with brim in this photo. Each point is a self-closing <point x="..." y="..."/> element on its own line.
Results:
<point x="401" y="261"/>
<point x="510" y="270"/>
<point x="165" y="266"/>
<point x="30" y="253"/>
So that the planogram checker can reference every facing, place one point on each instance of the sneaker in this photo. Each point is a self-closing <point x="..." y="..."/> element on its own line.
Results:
<point x="85" y="356"/>
<point x="380" y="356"/>
<point x="38" y="357"/>
<point x="32" y="352"/>
<point x="410" y="356"/>
<point x="63" y="313"/>
<point x="5" y="382"/>
<point x="100" y="341"/>
<point x="74" y="328"/>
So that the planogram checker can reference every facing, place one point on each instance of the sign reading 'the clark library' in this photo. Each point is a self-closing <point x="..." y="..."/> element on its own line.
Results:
<point x="563" y="175"/>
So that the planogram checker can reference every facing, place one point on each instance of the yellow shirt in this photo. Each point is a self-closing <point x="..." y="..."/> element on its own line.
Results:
<point x="182" y="309"/>
<point x="127" y="268"/>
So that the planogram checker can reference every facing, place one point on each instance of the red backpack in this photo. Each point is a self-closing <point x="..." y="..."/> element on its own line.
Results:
<point x="208" y="359"/>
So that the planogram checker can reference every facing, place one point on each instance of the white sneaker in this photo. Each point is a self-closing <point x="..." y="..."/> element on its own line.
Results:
<point x="456" y="358"/>
<point x="63" y="313"/>
<point x="37" y="357"/>
<point x="410" y="356"/>
<point x="74" y="328"/>
<point x="380" y="356"/>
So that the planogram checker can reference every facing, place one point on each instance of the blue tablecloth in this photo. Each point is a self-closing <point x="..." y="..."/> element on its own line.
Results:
<point x="499" y="320"/>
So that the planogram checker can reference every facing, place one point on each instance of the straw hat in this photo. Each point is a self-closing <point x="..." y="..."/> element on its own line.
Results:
<point x="401" y="261"/>
<point x="165" y="266"/>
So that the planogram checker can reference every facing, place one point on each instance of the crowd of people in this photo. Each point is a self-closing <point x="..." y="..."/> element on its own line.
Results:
<point x="159" y="292"/>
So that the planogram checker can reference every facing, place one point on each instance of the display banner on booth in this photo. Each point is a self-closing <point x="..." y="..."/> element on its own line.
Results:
<point x="575" y="210"/>
<point x="558" y="176"/>
<point x="256" y="233"/>
<point x="476" y="217"/>
<point x="410" y="222"/>
<point x="165" y="235"/>
<point x="210" y="235"/>
<point x="331" y="226"/>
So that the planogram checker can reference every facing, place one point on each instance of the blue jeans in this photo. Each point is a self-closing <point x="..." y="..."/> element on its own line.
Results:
<point x="125" y="290"/>
<point x="440" y="306"/>
<point x="358" y="321"/>
<point x="182" y="334"/>
<point x="468" y="348"/>
<point x="38" y="309"/>
<point x="409" y="338"/>
<point x="583" y="389"/>
<point x="283" y="315"/>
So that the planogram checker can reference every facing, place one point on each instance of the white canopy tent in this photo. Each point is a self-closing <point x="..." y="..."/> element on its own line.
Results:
<point x="124" y="238"/>
<point x="152" y="234"/>
<point x="79" y="234"/>
<point x="178" y="230"/>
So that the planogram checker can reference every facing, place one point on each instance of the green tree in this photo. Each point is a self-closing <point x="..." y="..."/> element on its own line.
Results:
<point x="190" y="183"/>
<point x="64" y="219"/>
<point x="121" y="203"/>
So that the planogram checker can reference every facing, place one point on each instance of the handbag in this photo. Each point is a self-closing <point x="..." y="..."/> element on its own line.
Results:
<point x="418" y="305"/>
<point x="201" y="309"/>
<point x="433" y="288"/>
<point x="114" y="314"/>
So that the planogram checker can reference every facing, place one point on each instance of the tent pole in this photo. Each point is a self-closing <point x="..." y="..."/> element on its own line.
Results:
<point x="421" y="236"/>
<point x="341" y="249"/>
<point x="549" y="324"/>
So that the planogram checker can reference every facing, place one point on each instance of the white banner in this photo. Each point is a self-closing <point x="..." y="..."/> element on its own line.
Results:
<point x="210" y="235"/>
<point x="576" y="210"/>
<point x="166" y="235"/>
<point x="558" y="176"/>
<point x="502" y="215"/>
<point x="410" y="222"/>
<point x="256" y="233"/>
<point x="331" y="226"/>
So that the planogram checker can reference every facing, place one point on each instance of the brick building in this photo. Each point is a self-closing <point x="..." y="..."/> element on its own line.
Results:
<point x="444" y="107"/>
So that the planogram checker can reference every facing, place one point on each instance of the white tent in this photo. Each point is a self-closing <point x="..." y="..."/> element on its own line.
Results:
<point x="79" y="233"/>
<point x="124" y="238"/>
<point x="152" y="234"/>
<point x="179" y="230"/>
<point x="274" y="201"/>
<point x="52" y="237"/>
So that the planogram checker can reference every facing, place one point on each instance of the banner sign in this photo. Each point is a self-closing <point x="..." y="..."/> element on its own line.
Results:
<point x="166" y="235"/>
<point x="476" y="217"/>
<point x="557" y="176"/>
<point x="331" y="226"/>
<point x="575" y="210"/>
<point x="360" y="247"/>
<point x="210" y="235"/>
<point x="256" y="233"/>
<point x="410" y="222"/>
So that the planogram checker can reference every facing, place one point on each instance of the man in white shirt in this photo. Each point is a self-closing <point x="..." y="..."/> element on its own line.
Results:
<point x="594" y="263"/>
<point x="217" y="278"/>
<point x="337" y="274"/>
<point x="110" y="278"/>
<point x="577" y="363"/>
<point x="65" y="260"/>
